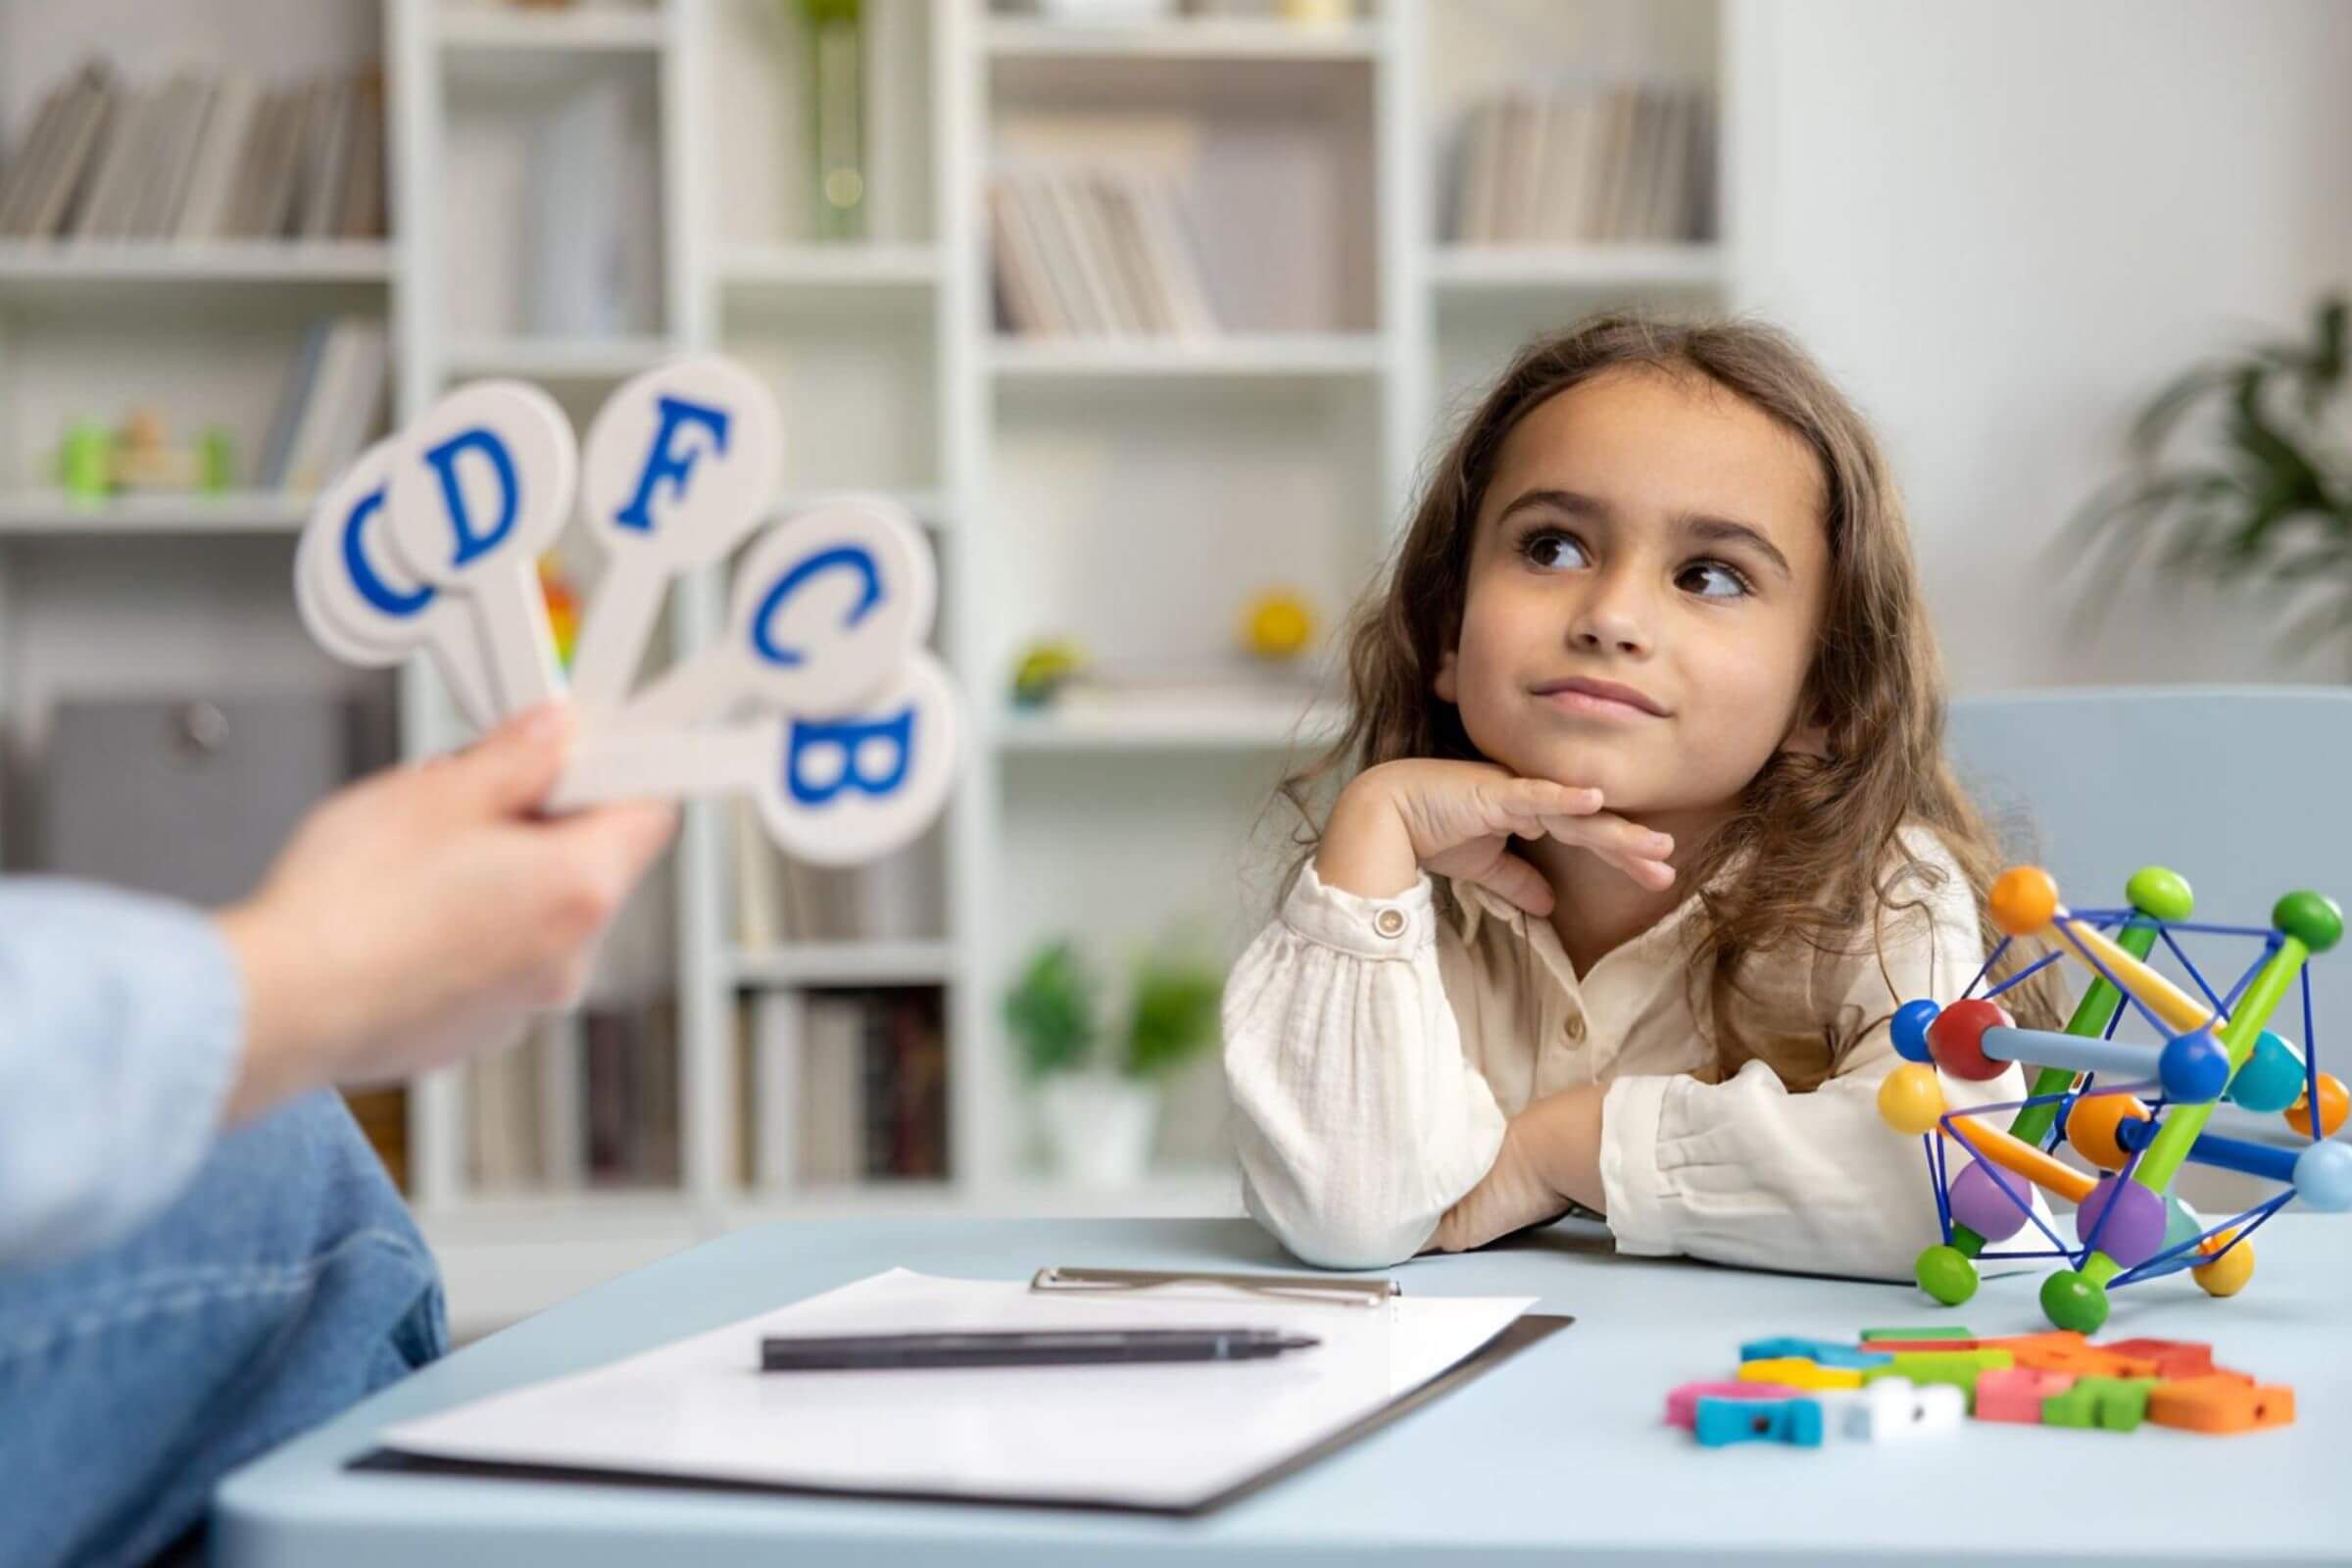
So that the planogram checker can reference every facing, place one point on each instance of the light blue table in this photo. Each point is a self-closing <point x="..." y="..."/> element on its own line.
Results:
<point x="1559" y="1450"/>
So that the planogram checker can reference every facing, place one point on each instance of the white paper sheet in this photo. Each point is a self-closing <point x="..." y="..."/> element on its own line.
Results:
<point x="1166" y="1436"/>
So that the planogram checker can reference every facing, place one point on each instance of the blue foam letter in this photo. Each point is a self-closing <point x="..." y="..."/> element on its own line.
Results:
<point x="363" y="576"/>
<point x="852" y="557"/>
<point x="847" y="734"/>
<point x="661" y="463"/>
<point x="444" y="458"/>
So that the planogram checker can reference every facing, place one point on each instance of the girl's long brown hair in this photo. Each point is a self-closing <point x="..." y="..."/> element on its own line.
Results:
<point x="1814" y="840"/>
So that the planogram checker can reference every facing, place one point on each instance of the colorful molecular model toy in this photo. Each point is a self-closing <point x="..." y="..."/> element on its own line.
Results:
<point x="2135" y="1112"/>
<point x="1912" y="1382"/>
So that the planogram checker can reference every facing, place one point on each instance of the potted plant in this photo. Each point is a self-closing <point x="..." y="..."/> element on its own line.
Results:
<point x="1099" y="1108"/>
<point x="2236" y="475"/>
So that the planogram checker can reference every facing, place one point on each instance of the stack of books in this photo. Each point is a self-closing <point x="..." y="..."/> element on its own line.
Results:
<point x="332" y="402"/>
<point x="1095" y="251"/>
<point x="199" y="157"/>
<point x="849" y="1086"/>
<point x="1594" y="163"/>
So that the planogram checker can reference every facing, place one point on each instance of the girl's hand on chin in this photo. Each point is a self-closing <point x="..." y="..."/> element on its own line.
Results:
<point x="1461" y="816"/>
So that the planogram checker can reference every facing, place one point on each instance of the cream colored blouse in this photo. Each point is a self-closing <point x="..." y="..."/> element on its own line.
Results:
<point x="1375" y="1047"/>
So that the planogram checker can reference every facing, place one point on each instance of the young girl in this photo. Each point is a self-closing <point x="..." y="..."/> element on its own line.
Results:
<point x="1648" y="832"/>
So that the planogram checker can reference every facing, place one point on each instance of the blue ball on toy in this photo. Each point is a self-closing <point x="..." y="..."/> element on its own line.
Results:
<point x="2271" y="1078"/>
<point x="2193" y="1068"/>
<point x="1910" y="1031"/>
<point x="2324" y="1176"/>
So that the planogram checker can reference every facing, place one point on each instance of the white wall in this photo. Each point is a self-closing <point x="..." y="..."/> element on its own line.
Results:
<point x="2003" y="224"/>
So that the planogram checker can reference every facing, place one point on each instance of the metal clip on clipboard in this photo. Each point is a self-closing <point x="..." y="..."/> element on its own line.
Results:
<point x="1296" y="1287"/>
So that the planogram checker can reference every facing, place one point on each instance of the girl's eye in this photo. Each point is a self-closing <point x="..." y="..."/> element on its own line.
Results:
<point x="1712" y="580"/>
<point x="1552" y="550"/>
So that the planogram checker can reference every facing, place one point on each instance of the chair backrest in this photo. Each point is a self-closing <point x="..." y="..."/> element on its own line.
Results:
<point x="2241" y="791"/>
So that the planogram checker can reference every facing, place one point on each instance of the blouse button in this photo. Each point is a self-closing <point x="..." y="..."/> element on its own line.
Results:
<point x="1576" y="1026"/>
<point x="1389" y="922"/>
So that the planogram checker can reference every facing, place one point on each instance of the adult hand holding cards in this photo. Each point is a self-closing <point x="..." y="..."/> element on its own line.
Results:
<point x="820" y="700"/>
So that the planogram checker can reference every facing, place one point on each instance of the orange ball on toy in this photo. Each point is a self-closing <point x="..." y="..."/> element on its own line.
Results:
<point x="2092" y="1123"/>
<point x="2023" y="900"/>
<point x="2334" y="1102"/>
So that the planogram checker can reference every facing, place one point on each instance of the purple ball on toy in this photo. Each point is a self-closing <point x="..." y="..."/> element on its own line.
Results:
<point x="1989" y="1200"/>
<point x="2133" y="1233"/>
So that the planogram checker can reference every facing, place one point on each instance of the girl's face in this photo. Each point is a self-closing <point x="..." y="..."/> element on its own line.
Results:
<point x="1645" y="592"/>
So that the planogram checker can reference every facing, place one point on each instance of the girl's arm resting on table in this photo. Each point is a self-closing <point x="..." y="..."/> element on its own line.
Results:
<point x="1746" y="1172"/>
<point x="122" y="1025"/>
<point x="1357" y="1120"/>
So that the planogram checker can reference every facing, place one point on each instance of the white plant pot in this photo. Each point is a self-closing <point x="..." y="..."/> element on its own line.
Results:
<point x="1099" y="1127"/>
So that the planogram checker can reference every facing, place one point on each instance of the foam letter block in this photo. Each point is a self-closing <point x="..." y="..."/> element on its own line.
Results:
<point x="1822" y="1353"/>
<point x="2113" y="1404"/>
<point x="2173" y="1358"/>
<point x="1802" y="1372"/>
<point x="1933" y="1331"/>
<point x="2084" y="1361"/>
<point x="1958" y="1368"/>
<point x="1894" y="1407"/>
<point x="2016" y="1394"/>
<point x="1682" y="1404"/>
<point x="2219" y="1404"/>
<point x="1719" y="1422"/>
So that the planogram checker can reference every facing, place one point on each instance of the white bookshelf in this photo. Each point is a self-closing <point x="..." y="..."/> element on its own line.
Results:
<point x="1129" y="493"/>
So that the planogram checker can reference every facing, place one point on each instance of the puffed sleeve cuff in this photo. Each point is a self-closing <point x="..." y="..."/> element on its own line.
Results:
<point x="1630" y="1176"/>
<point x="1405" y="926"/>
<point x="119" y="1047"/>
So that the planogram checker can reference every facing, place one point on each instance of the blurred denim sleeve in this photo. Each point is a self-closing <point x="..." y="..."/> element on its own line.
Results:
<point x="121" y="1020"/>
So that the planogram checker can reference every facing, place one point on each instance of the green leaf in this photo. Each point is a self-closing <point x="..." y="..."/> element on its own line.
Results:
<point x="1175" y="1015"/>
<point x="1051" y="1011"/>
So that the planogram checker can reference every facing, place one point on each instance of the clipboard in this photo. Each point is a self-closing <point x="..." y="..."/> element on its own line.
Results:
<point x="1529" y="1330"/>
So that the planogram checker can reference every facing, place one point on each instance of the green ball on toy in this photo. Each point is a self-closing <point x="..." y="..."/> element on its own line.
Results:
<point x="2160" y="893"/>
<point x="2311" y="919"/>
<point x="1946" y="1274"/>
<point x="2071" y="1301"/>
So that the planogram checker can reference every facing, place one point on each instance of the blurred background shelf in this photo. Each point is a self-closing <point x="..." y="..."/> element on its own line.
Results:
<point x="1191" y="38"/>
<point x="1466" y="270"/>
<point x="80" y="263"/>
<point x="479" y="26"/>
<point x="1282" y="354"/>
<point x="54" y="514"/>
<point x="844" y="964"/>
<point x="557" y="360"/>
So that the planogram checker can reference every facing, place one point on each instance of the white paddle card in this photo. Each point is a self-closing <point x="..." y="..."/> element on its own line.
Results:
<point x="819" y="699"/>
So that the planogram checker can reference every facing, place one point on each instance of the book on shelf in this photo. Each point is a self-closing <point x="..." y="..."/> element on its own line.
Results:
<point x="587" y="1099"/>
<point x="630" y="1083"/>
<point x="780" y="901"/>
<point x="1586" y="163"/>
<point x="849" y="1087"/>
<point x="1095" y="251"/>
<point x="383" y="1119"/>
<point x="331" y="403"/>
<point x="199" y="156"/>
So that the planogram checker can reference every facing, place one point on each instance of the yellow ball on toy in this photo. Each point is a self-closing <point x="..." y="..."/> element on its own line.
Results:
<point x="1911" y="1100"/>
<point x="2226" y="1275"/>
<point x="1278" y="625"/>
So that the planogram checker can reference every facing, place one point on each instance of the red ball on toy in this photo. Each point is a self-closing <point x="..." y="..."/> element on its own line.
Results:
<point x="1956" y="1039"/>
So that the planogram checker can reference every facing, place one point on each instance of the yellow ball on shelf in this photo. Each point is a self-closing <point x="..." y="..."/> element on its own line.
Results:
<point x="1278" y="625"/>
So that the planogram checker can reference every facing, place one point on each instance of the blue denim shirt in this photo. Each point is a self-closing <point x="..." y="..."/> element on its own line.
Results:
<point x="121" y="1020"/>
